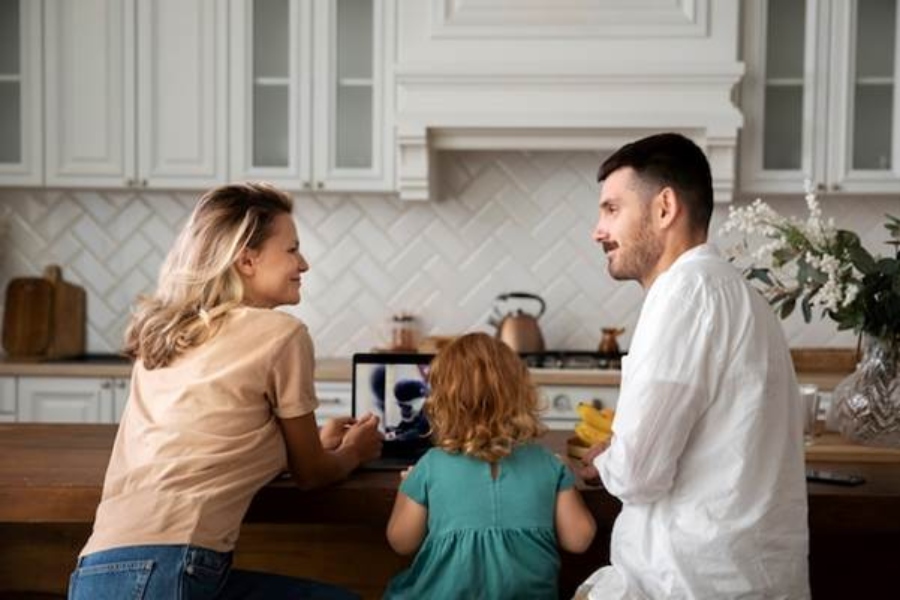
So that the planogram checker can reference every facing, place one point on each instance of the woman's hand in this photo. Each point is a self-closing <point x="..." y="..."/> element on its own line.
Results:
<point x="332" y="432"/>
<point x="365" y="439"/>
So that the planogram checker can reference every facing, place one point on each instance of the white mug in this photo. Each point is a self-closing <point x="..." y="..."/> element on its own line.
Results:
<point x="809" y="396"/>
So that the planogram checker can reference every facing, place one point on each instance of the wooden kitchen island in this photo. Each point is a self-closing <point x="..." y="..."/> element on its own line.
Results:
<point x="51" y="477"/>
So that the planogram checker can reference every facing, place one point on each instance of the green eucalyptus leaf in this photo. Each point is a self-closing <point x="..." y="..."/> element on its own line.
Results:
<point x="759" y="274"/>
<point x="846" y="239"/>
<point x="893" y="226"/>
<point x="819" y="277"/>
<point x="784" y="255"/>
<point x="888" y="266"/>
<point x="788" y="307"/>
<point x="806" y="307"/>
<point x="862" y="260"/>
<point x="803" y="272"/>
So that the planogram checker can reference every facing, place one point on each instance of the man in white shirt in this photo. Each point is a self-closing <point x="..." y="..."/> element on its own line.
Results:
<point x="707" y="447"/>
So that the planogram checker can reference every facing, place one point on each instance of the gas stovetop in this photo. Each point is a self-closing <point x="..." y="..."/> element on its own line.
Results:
<point x="571" y="359"/>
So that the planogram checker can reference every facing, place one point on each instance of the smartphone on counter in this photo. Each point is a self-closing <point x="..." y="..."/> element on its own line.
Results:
<point x="833" y="477"/>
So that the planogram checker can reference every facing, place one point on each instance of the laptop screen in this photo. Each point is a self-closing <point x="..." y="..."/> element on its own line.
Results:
<point x="393" y="387"/>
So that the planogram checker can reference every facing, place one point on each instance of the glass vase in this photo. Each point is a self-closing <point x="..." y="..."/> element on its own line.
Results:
<point x="866" y="404"/>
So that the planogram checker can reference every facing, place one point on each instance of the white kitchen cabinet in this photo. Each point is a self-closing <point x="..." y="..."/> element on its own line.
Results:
<point x="136" y="93"/>
<point x="21" y="151"/>
<point x="65" y="400"/>
<point x="820" y="96"/>
<point x="310" y="93"/>
<point x="7" y="399"/>
<point x="560" y="402"/>
<point x="119" y="387"/>
<point x="103" y="399"/>
<point x="335" y="399"/>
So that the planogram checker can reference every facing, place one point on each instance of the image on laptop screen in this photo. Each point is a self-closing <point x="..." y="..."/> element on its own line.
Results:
<point x="393" y="387"/>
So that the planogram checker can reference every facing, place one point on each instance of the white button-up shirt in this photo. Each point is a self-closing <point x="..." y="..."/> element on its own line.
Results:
<point x="707" y="455"/>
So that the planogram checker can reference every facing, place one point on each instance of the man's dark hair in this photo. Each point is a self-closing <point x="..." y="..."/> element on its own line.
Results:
<point x="669" y="159"/>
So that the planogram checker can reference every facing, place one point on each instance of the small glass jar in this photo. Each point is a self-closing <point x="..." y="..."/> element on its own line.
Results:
<point x="404" y="330"/>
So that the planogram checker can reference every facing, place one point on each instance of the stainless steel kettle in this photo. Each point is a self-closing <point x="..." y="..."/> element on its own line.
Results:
<point x="516" y="328"/>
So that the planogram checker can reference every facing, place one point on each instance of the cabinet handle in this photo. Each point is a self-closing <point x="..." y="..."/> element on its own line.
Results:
<point x="835" y="187"/>
<point x="307" y="185"/>
<point x="143" y="183"/>
<point x="329" y="401"/>
<point x="120" y="384"/>
<point x="129" y="182"/>
<point x="820" y="187"/>
<point x="320" y="185"/>
<point x="105" y="385"/>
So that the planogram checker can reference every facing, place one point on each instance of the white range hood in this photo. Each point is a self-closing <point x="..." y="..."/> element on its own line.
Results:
<point x="494" y="75"/>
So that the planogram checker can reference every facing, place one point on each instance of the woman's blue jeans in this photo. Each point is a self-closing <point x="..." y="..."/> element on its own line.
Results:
<point x="183" y="573"/>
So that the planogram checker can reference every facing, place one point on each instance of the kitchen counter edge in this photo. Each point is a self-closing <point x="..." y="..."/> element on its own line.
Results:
<point x="338" y="370"/>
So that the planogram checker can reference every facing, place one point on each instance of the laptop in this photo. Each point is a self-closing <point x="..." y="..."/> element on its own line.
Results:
<point x="394" y="387"/>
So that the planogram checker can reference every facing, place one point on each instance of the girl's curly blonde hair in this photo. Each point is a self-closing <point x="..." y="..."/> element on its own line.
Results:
<point x="482" y="400"/>
<point x="198" y="281"/>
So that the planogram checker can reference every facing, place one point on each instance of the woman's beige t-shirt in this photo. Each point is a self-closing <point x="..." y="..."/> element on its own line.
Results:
<point x="200" y="437"/>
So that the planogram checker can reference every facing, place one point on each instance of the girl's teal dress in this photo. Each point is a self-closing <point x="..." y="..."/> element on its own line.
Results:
<point x="487" y="538"/>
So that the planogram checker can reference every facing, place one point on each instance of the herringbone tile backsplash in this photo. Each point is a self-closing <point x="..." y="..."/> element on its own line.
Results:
<point x="511" y="221"/>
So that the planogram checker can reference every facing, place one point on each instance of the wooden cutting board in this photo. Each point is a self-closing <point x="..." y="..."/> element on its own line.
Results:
<point x="833" y="447"/>
<point x="27" y="317"/>
<point x="69" y="316"/>
<point x="44" y="317"/>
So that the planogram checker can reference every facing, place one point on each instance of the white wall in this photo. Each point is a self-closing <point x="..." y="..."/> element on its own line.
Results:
<point x="506" y="221"/>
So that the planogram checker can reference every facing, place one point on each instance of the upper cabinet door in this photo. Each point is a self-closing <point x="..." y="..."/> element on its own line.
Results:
<point x="271" y="91"/>
<point x="352" y="146"/>
<point x="819" y="96"/>
<point x="136" y="93"/>
<point x="20" y="93"/>
<point x="866" y="145"/>
<point x="310" y="94"/>
<point x="89" y="58"/>
<point x="784" y="95"/>
<point x="182" y="65"/>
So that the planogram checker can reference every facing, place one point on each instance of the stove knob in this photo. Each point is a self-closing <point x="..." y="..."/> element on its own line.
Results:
<point x="562" y="402"/>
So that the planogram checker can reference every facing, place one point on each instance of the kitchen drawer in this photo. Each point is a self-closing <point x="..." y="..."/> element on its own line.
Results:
<point x="560" y="402"/>
<point x="334" y="399"/>
<point x="7" y="399"/>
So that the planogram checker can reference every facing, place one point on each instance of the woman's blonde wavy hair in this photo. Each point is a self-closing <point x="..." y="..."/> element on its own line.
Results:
<point x="198" y="281"/>
<point x="482" y="400"/>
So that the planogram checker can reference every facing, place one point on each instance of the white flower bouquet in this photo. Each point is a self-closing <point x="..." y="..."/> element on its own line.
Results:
<point x="816" y="265"/>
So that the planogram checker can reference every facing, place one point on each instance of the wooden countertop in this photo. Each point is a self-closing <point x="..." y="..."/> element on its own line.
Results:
<point x="338" y="369"/>
<point x="54" y="474"/>
<point x="327" y="369"/>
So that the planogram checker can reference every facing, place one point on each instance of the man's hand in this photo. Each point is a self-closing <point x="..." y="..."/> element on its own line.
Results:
<point x="332" y="432"/>
<point x="587" y="471"/>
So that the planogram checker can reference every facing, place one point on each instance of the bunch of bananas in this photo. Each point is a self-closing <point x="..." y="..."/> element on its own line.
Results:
<point x="595" y="425"/>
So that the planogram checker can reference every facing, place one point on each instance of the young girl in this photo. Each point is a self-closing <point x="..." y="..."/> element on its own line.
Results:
<point x="487" y="507"/>
<point x="221" y="402"/>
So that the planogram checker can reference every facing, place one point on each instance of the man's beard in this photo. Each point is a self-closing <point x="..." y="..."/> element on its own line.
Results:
<point x="641" y="254"/>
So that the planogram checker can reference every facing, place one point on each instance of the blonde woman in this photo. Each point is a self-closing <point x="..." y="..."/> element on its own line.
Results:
<point x="221" y="402"/>
<point x="488" y="506"/>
